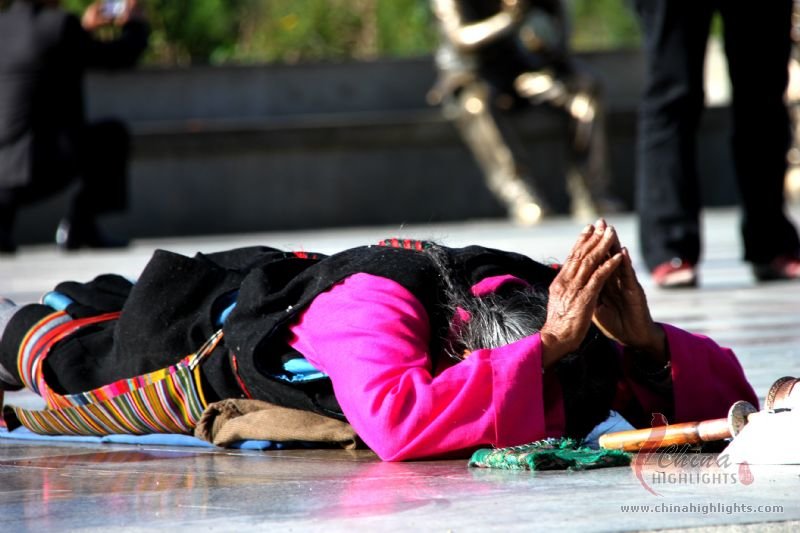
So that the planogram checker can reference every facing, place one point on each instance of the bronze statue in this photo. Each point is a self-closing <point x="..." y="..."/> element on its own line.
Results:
<point x="793" y="101"/>
<point x="496" y="56"/>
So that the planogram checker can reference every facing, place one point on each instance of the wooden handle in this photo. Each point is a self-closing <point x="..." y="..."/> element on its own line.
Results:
<point x="663" y="436"/>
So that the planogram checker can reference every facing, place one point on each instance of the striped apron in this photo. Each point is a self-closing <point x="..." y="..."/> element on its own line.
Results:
<point x="169" y="400"/>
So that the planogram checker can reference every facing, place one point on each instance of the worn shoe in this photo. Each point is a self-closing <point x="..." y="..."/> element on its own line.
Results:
<point x="782" y="267"/>
<point x="7" y="244"/>
<point x="70" y="236"/>
<point x="676" y="273"/>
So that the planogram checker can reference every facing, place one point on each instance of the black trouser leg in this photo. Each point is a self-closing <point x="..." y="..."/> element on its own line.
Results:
<point x="668" y="198"/>
<point x="105" y="151"/>
<point x="758" y="44"/>
<point x="8" y="213"/>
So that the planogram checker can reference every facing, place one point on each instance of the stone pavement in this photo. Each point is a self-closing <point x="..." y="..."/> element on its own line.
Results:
<point x="97" y="487"/>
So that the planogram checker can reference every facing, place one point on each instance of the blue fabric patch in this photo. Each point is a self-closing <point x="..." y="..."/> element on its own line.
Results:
<point x="223" y="307"/>
<point x="302" y="370"/>
<point x="615" y="422"/>
<point x="56" y="300"/>
<point x="223" y="316"/>
<point x="159" y="439"/>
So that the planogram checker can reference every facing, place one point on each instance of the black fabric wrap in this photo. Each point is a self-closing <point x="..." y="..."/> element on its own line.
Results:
<point x="170" y="311"/>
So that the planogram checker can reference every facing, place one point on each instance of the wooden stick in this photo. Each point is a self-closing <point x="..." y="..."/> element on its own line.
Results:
<point x="663" y="436"/>
<point x="686" y="433"/>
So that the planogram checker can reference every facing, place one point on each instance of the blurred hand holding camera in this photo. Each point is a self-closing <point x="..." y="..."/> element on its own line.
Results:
<point x="111" y="12"/>
<point x="514" y="8"/>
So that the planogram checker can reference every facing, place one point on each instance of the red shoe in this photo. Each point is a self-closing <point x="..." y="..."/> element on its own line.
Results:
<point x="782" y="267"/>
<point x="675" y="274"/>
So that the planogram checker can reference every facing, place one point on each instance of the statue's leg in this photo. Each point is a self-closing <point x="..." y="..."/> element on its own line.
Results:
<point x="587" y="172"/>
<point x="492" y="146"/>
<point x="793" y="102"/>
<point x="589" y="151"/>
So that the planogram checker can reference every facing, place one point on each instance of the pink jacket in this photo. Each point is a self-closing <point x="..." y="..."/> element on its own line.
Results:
<point x="371" y="336"/>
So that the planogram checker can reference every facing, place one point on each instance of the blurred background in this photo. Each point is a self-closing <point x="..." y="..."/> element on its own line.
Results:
<point x="258" y="115"/>
<point x="223" y="32"/>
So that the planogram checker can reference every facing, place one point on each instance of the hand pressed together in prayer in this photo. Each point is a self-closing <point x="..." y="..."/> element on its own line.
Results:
<point x="597" y="284"/>
<point x="622" y="313"/>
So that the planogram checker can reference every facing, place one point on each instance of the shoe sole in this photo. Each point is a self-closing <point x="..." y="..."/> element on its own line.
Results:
<point x="679" y="280"/>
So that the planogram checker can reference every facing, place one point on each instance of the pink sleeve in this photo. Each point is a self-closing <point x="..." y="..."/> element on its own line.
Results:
<point x="370" y="335"/>
<point x="707" y="379"/>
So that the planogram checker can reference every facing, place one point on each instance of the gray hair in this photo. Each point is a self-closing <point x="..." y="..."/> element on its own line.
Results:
<point x="507" y="315"/>
<point x="498" y="318"/>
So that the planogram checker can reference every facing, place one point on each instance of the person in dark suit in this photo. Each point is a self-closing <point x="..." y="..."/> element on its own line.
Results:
<point x="46" y="142"/>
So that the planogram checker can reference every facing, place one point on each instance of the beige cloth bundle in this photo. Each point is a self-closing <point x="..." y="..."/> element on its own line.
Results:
<point x="229" y="421"/>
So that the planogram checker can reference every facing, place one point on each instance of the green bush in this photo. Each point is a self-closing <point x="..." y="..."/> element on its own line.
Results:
<point x="303" y="30"/>
<point x="289" y="31"/>
<point x="603" y="24"/>
<point x="193" y="30"/>
<point x="186" y="31"/>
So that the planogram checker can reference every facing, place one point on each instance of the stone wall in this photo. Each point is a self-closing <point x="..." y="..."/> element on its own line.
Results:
<point x="257" y="148"/>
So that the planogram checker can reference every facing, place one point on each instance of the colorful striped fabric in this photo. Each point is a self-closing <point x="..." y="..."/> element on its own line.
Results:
<point x="36" y="344"/>
<point x="165" y="401"/>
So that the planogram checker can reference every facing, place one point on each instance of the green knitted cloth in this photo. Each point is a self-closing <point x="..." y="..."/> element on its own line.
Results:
<point x="549" y="454"/>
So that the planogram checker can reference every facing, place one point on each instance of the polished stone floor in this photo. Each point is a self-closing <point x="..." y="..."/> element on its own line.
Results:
<point x="86" y="487"/>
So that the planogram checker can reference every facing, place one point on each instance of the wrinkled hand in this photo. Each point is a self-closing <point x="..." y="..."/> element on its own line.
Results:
<point x="574" y="293"/>
<point x="622" y="313"/>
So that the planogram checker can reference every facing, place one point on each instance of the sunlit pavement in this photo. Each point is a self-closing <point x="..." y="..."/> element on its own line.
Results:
<point x="97" y="487"/>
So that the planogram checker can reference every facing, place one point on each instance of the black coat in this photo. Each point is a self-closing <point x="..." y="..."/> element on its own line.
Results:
<point x="174" y="306"/>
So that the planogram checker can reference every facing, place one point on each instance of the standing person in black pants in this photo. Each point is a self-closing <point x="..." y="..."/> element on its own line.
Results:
<point x="757" y="45"/>
<point x="46" y="142"/>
